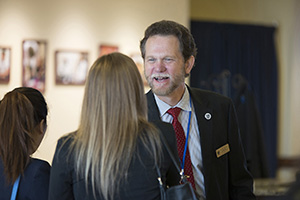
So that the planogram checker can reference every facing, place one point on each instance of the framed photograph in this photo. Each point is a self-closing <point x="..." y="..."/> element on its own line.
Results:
<point x="71" y="67"/>
<point x="106" y="49"/>
<point x="5" y="57"/>
<point x="34" y="64"/>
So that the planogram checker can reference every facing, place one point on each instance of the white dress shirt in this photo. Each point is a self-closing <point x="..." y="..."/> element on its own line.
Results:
<point x="194" y="136"/>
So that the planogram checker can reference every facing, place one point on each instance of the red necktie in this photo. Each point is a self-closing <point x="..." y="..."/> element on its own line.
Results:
<point x="180" y="137"/>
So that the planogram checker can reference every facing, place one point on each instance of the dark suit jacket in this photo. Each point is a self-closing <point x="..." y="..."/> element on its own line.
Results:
<point x="142" y="180"/>
<point x="34" y="184"/>
<point x="225" y="177"/>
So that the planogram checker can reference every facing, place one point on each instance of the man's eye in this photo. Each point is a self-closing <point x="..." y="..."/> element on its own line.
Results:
<point x="168" y="59"/>
<point x="151" y="59"/>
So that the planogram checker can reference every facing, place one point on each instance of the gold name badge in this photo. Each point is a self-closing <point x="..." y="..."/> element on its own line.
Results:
<point x="222" y="150"/>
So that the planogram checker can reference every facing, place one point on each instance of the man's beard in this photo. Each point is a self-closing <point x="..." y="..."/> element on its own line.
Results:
<point x="175" y="82"/>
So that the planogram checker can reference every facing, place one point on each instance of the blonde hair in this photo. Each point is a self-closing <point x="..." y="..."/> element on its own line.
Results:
<point x="113" y="117"/>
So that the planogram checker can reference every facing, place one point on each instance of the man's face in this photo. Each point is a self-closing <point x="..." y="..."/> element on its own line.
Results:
<point x="164" y="64"/>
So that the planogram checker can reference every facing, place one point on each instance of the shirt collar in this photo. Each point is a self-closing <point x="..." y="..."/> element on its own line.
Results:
<point x="184" y="103"/>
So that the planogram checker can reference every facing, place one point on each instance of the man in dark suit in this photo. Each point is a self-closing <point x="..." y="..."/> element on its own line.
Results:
<point x="208" y="120"/>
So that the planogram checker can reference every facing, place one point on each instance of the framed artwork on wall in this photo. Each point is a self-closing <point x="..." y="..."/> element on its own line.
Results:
<point x="5" y="57"/>
<point x="71" y="67"/>
<point x="106" y="49"/>
<point x="34" y="64"/>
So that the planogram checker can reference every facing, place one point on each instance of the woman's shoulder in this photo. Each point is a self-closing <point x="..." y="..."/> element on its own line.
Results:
<point x="35" y="180"/>
<point x="163" y="126"/>
<point x="65" y="141"/>
<point x="64" y="146"/>
<point x="67" y="138"/>
<point x="38" y="163"/>
<point x="166" y="129"/>
<point x="37" y="168"/>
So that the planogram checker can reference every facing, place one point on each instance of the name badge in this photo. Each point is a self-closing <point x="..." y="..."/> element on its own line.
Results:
<point x="222" y="150"/>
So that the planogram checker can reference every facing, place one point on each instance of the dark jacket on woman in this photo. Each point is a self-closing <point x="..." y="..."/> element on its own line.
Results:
<point x="34" y="183"/>
<point x="141" y="183"/>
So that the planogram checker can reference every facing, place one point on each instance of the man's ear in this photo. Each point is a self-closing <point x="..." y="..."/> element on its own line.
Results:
<point x="189" y="64"/>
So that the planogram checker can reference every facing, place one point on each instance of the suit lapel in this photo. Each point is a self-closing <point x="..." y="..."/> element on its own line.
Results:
<point x="205" y="128"/>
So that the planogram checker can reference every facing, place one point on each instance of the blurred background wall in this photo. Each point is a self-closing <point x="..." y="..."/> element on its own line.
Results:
<point x="76" y="25"/>
<point x="84" y="25"/>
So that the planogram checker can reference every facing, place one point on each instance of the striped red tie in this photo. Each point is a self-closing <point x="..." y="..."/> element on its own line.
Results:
<point x="180" y="137"/>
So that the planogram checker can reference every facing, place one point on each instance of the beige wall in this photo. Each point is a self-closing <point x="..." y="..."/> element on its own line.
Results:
<point x="280" y="13"/>
<point x="80" y="25"/>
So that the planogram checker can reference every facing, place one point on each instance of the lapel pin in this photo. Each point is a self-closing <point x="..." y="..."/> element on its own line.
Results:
<point x="207" y="116"/>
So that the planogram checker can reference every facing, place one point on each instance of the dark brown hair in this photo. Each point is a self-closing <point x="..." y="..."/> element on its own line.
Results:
<point x="21" y="111"/>
<point x="165" y="28"/>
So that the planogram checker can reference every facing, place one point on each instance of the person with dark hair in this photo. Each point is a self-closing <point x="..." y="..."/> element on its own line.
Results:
<point x="23" y="122"/>
<point x="114" y="152"/>
<point x="207" y="132"/>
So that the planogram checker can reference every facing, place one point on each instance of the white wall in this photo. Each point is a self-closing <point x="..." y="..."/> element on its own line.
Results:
<point x="80" y="25"/>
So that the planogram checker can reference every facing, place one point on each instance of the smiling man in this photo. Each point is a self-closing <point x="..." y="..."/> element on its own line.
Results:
<point x="205" y="122"/>
<point x="164" y="69"/>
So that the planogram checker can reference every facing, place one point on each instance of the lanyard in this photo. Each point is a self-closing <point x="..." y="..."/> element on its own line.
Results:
<point x="186" y="139"/>
<point x="15" y="189"/>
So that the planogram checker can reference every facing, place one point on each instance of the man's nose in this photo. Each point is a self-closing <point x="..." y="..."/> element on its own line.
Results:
<point x="160" y="66"/>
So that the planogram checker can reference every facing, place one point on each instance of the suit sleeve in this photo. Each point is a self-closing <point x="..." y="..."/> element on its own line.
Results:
<point x="61" y="183"/>
<point x="241" y="181"/>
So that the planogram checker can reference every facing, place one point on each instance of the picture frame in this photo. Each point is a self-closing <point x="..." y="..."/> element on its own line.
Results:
<point x="5" y="64"/>
<point x="71" y="67"/>
<point x="107" y="49"/>
<point x="34" y="63"/>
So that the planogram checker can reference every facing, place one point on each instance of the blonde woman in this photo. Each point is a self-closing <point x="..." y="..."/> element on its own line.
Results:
<point x="113" y="153"/>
